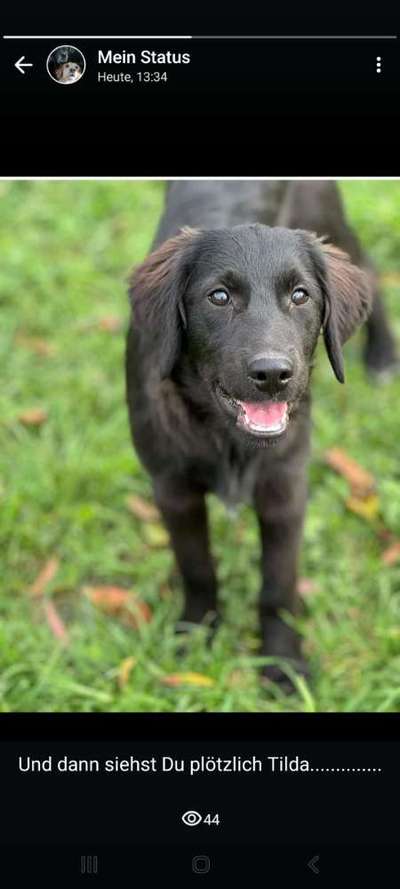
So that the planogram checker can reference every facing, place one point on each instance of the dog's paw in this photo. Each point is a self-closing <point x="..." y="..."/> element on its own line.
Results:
<point x="282" y="645"/>
<point x="284" y="674"/>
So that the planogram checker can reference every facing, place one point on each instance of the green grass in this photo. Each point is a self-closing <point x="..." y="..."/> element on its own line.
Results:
<point x="66" y="250"/>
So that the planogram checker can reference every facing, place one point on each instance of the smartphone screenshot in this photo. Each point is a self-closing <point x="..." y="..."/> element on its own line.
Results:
<point x="200" y="458"/>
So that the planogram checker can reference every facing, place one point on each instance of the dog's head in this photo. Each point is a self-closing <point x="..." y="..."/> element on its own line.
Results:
<point x="243" y="308"/>
<point x="68" y="71"/>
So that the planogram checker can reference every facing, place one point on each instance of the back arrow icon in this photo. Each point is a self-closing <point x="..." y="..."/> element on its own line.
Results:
<point x="312" y="864"/>
<point x="20" y="65"/>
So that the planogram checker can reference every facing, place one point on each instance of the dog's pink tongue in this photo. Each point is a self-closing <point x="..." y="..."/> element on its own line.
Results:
<point x="268" y="414"/>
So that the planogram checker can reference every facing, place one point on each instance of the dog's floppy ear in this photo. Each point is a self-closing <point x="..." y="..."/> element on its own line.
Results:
<point x="156" y="292"/>
<point x="348" y="296"/>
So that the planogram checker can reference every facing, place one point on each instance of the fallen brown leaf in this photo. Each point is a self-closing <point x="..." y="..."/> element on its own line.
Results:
<point x="125" y="669"/>
<point x="120" y="603"/>
<point x="174" y="680"/>
<point x="55" y="623"/>
<point x="35" y="344"/>
<point x="36" y="416"/>
<point x="366" y="507"/>
<point x="361" y="482"/>
<point x="110" y="323"/>
<point x="391" y="554"/>
<point x="45" y="576"/>
<point x="155" y="535"/>
<point x="111" y="598"/>
<point x="142" y="509"/>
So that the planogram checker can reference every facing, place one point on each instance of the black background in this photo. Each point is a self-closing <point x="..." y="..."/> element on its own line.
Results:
<point x="272" y="824"/>
<point x="242" y="107"/>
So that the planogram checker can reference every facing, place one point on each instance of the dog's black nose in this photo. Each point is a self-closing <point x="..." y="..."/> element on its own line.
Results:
<point x="271" y="374"/>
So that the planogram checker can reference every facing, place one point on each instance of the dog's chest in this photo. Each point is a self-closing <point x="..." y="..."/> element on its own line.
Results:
<point x="235" y="476"/>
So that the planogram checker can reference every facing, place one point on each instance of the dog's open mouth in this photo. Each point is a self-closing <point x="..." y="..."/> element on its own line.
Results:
<point x="262" y="418"/>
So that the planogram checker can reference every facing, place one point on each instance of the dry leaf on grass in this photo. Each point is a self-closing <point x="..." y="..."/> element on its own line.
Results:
<point x="124" y="670"/>
<point x="55" y="623"/>
<point x="366" y="507"/>
<point x="110" y="323"/>
<point x="45" y="576"/>
<point x="155" y="535"/>
<point x="175" y="680"/>
<point x="391" y="555"/>
<point x="142" y="509"/>
<point x="120" y="603"/>
<point x="35" y="344"/>
<point x="361" y="482"/>
<point x="36" y="416"/>
<point x="363" y="500"/>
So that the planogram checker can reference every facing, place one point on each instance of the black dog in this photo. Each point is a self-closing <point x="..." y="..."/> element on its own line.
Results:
<point x="226" y="318"/>
<point x="62" y="56"/>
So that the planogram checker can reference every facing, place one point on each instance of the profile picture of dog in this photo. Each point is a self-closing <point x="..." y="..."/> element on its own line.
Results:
<point x="66" y="65"/>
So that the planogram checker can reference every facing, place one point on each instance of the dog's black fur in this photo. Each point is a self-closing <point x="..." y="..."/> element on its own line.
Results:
<point x="62" y="55"/>
<point x="199" y="371"/>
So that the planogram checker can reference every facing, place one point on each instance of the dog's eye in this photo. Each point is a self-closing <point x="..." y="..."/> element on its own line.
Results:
<point x="299" y="296"/>
<point x="219" y="298"/>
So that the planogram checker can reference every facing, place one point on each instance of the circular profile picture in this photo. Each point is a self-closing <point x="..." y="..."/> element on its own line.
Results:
<point x="66" y="64"/>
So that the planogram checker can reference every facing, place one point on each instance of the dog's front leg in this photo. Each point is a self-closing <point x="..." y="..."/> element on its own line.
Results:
<point x="280" y="504"/>
<point x="184" y="512"/>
